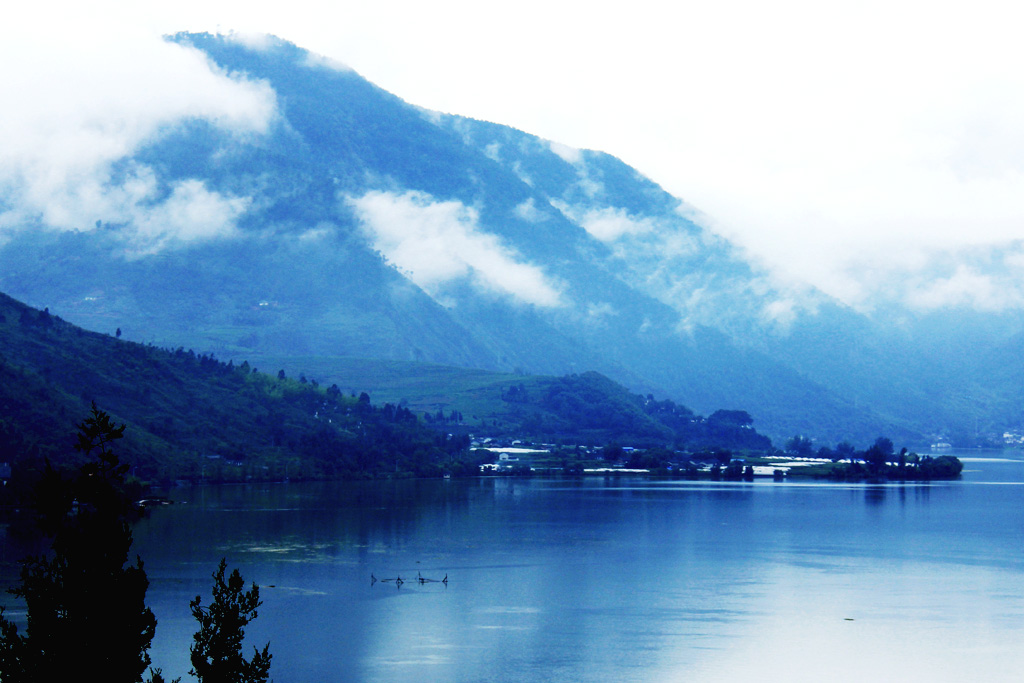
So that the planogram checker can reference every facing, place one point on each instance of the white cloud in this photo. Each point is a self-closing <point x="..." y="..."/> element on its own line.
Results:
<point x="966" y="288"/>
<point x="86" y="100"/>
<point x="191" y="213"/>
<point x="568" y="154"/>
<point x="254" y="40"/>
<point x="1014" y="259"/>
<point x="318" y="234"/>
<point x="317" y="61"/>
<point x="493" y="151"/>
<point x="642" y="242"/>
<point x="817" y="134"/>
<point x="592" y="188"/>
<point x="610" y="224"/>
<point x="781" y="312"/>
<point x="517" y="168"/>
<point x="528" y="211"/>
<point x="437" y="242"/>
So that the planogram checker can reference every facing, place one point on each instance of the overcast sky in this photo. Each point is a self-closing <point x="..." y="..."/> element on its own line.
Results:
<point x="820" y="136"/>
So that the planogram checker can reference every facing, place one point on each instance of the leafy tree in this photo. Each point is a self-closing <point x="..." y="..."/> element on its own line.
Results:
<point x="86" y="610"/>
<point x="800" y="445"/>
<point x="217" y="650"/>
<point x="884" y="446"/>
<point x="878" y="454"/>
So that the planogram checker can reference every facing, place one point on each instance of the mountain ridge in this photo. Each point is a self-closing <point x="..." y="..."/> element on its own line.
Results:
<point x="358" y="225"/>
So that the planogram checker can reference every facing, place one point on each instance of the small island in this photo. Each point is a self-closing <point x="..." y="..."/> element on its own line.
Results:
<point x="879" y="462"/>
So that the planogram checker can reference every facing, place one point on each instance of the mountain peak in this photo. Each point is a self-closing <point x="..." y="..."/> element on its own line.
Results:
<point x="301" y="210"/>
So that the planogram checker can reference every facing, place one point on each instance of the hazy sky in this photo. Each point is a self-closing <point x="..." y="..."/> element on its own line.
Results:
<point x="834" y="139"/>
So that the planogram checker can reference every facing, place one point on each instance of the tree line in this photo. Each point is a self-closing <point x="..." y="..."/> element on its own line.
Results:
<point x="879" y="460"/>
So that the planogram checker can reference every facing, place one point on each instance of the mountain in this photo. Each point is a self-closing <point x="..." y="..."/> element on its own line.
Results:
<point x="354" y="225"/>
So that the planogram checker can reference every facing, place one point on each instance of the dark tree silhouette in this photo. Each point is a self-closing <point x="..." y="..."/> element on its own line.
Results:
<point x="86" y="610"/>
<point x="800" y="445"/>
<point x="878" y="454"/>
<point x="217" y="650"/>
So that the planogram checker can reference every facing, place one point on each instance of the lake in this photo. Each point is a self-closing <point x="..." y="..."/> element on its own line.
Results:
<point x="609" y="579"/>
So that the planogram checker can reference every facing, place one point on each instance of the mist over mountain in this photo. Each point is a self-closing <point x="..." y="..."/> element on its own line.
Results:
<point x="323" y="216"/>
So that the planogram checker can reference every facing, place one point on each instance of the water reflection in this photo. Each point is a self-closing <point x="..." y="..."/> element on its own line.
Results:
<point x="874" y="495"/>
<point x="605" y="579"/>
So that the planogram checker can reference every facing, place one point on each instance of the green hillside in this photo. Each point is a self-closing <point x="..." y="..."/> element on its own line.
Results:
<point x="194" y="417"/>
<point x="191" y="416"/>
<point x="585" y="408"/>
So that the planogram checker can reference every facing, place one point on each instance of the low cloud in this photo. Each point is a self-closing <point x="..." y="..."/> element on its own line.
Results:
<point x="780" y="312"/>
<point x="570" y="155"/>
<point x="517" y="168"/>
<point x="635" y="239"/>
<point x="438" y="242"/>
<point x="258" y="41"/>
<point x="590" y="187"/>
<point x="320" y="233"/>
<point x="1014" y="259"/>
<point x="988" y="277"/>
<point x="586" y="184"/>
<point x="600" y="311"/>
<point x="191" y="213"/>
<point x="609" y="224"/>
<point x="76" y="112"/>
<point x="493" y="151"/>
<point x="966" y="288"/>
<point x="315" y="61"/>
<point x="254" y="40"/>
<point x="528" y="211"/>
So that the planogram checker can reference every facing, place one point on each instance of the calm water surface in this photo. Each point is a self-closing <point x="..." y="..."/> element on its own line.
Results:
<point x="609" y="579"/>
